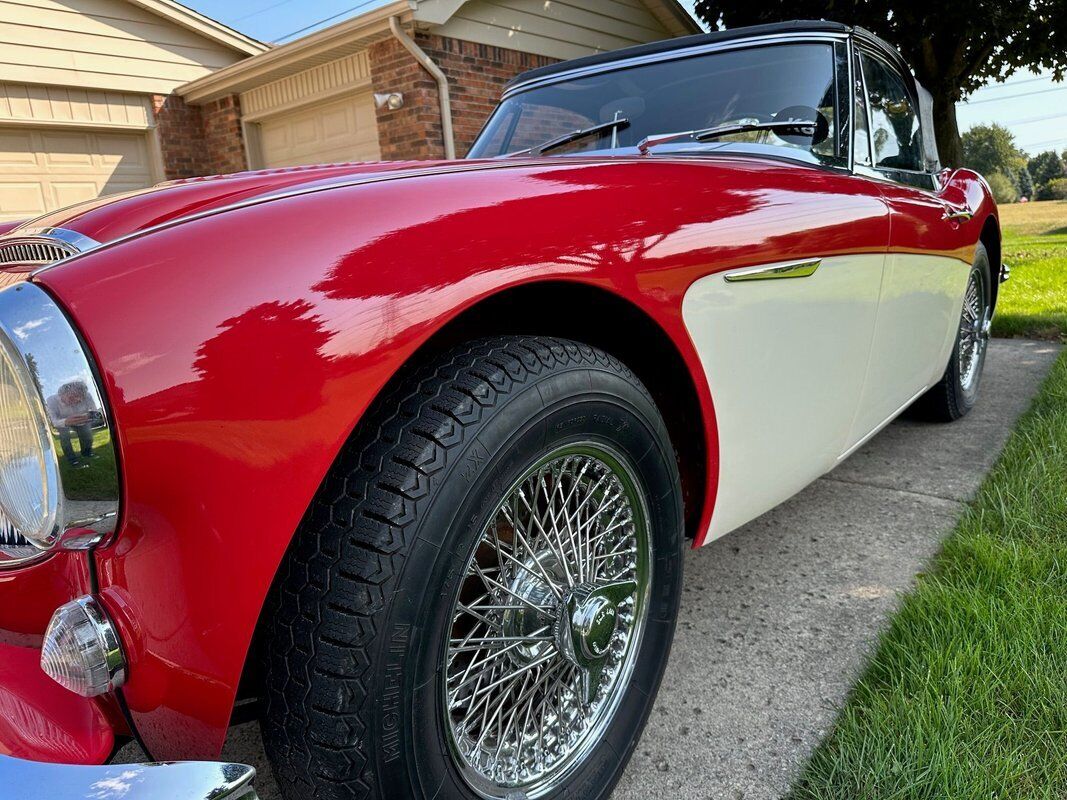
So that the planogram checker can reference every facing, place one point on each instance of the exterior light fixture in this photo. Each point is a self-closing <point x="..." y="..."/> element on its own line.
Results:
<point x="390" y="100"/>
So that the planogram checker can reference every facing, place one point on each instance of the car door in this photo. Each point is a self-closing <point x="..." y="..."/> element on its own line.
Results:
<point x="784" y="337"/>
<point x="926" y="270"/>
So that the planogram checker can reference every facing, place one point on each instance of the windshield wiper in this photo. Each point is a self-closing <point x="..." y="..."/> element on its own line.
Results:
<point x="573" y="136"/>
<point x="790" y="127"/>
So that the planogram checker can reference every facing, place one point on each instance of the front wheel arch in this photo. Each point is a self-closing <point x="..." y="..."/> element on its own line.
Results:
<point x="425" y="467"/>
<point x="592" y="316"/>
<point x="991" y="239"/>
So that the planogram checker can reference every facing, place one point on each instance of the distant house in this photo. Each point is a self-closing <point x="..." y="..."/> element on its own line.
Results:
<point x="104" y="96"/>
<point x="85" y="88"/>
<point x="365" y="90"/>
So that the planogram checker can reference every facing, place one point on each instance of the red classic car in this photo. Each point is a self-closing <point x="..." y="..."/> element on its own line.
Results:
<point x="401" y="458"/>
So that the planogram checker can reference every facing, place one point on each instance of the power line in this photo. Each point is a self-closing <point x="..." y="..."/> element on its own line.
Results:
<point x="1045" y="143"/>
<point x="327" y="19"/>
<point x="264" y="10"/>
<point x="1008" y="84"/>
<point x="1013" y="96"/>
<point x="1028" y="120"/>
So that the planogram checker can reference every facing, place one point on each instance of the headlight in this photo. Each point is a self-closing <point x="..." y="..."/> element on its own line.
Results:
<point x="29" y="476"/>
<point x="58" y="475"/>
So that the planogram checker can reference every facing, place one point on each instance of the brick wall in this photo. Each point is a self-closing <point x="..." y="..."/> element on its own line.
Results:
<point x="199" y="140"/>
<point x="208" y="139"/>
<point x="181" y="134"/>
<point x="476" y="74"/>
<point x="414" y="130"/>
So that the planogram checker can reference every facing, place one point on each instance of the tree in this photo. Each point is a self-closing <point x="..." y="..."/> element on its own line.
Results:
<point x="1045" y="167"/>
<point x="1057" y="189"/>
<point x="1003" y="189"/>
<point x="1025" y="184"/>
<point x="991" y="148"/>
<point x="953" y="47"/>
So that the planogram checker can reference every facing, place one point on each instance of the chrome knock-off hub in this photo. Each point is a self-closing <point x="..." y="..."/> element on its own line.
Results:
<point x="585" y="627"/>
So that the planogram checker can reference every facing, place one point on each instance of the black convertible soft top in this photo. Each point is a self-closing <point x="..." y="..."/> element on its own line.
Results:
<point x="683" y="42"/>
<point x="750" y="32"/>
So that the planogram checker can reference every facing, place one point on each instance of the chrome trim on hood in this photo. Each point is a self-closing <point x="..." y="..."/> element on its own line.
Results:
<point x="38" y="247"/>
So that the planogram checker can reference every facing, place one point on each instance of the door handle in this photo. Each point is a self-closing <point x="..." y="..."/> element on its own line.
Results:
<point x="794" y="269"/>
<point x="957" y="215"/>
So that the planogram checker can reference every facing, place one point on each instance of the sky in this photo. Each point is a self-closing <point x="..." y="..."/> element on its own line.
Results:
<point x="1030" y="105"/>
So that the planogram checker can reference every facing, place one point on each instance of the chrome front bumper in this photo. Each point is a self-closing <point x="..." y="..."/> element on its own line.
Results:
<point x="192" y="780"/>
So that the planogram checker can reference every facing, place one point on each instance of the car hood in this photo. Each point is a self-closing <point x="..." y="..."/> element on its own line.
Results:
<point x="108" y="218"/>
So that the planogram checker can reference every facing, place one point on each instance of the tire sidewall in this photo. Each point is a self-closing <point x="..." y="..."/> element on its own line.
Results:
<point x="565" y="406"/>
<point x="966" y="398"/>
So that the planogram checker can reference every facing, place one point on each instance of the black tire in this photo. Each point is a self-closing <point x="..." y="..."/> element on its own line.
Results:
<point x="949" y="399"/>
<point x="359" y="615"/>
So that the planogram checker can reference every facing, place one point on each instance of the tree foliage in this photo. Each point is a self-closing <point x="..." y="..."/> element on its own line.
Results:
<point x="1001" y="186"/>
<point x="954" y="47"/>
<point x="1056" y="189"/>
<point x="1025" y="184"/>
<point x="1045" y="167"/>
<point x="991" y="148"/>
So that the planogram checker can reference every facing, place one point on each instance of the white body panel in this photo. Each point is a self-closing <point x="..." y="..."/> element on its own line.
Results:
<point x="803" y="370"/>
<point x="918" y="318"/>
<point x="785" y="360"/>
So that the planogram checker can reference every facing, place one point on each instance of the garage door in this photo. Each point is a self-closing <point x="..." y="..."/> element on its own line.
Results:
<point x="43" y="169"/>
<point x="340" y="130"/>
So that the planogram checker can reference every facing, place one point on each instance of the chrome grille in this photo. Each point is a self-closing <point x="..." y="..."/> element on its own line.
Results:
<point x="9" y="538"/>
<point x="32" y="253"/>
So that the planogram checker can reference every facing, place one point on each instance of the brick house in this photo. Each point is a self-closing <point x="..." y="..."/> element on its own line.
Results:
<point x="409" y="80"/>
<point x="86" y="91"/>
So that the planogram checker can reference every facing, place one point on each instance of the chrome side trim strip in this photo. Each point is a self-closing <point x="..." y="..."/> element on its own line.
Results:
<point x="795" y="269"/>
<point x="175" y="781"/>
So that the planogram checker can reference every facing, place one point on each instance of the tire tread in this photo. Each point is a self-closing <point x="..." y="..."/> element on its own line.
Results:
<point x="322" y="618"/>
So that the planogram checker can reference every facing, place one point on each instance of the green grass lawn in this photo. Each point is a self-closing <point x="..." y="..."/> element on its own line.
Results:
<point x="1034" y="302"/>
<point x="965" y="697"/>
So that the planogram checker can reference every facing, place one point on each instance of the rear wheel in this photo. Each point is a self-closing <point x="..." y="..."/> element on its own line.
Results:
<point x="481" y="601"/>
<point x="957" y="391"/>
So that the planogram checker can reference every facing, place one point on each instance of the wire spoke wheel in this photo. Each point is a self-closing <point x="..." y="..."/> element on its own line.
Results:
<point x="547" y="622"/>
<point x="974" y="331"/>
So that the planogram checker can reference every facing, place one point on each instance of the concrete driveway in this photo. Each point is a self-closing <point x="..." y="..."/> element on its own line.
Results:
<point x="778" y="617"/>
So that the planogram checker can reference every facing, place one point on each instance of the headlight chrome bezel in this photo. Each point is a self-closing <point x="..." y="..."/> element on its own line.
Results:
<point x="35" y="331"/>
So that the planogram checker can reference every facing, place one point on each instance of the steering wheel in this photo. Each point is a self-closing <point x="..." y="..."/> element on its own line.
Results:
<point x="804" y="114"/>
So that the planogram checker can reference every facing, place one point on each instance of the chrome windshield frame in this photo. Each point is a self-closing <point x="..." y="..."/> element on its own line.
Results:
<point x="674" y="55"/>
<point x="800" y="37"/>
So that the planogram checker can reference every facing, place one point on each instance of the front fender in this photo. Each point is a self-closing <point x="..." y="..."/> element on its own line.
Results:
<point x="240" y="349"/>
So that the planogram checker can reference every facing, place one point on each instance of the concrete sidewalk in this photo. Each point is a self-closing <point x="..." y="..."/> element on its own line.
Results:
<point x="777" y="617"/>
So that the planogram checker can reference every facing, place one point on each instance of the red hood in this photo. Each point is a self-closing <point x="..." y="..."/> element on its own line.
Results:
<point x="109" y="218"/>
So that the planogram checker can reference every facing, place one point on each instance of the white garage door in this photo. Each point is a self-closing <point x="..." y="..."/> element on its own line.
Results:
<point x="340" y="130"/>
<point x="43" y="169"/>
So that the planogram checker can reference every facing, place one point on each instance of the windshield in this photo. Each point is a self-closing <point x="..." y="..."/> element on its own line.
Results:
<point x="749" y="85"/>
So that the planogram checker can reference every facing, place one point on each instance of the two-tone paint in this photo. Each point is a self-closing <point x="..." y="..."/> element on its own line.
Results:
<point x="241" y="343"/>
